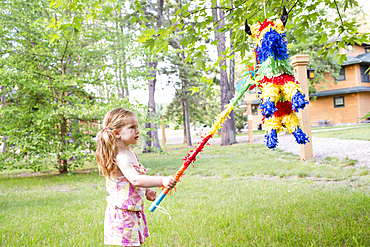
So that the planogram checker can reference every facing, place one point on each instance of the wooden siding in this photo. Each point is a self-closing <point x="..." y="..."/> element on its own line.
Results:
<point x="364" y="103"/>
<point x="352" y="74"/>
<point x="357" y="50"/>
<point x="323" y="109"/>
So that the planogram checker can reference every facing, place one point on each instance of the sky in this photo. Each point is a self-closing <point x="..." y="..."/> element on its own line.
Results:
<point x="165" y="93"/>
<point x="365" y="5"/>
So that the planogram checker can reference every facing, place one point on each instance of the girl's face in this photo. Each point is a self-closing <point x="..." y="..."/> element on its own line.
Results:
<point x="129" y="134"/>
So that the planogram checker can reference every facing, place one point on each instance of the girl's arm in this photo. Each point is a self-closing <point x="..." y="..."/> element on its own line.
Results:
<point x="138" y="180"/>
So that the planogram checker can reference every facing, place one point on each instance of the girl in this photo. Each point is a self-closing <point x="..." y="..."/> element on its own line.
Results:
<point x="126" y="182"/>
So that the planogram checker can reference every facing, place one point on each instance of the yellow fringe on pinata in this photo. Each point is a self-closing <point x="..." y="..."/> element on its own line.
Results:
<point x="220" y="119"/>
<point x="291" y="122"/>
<point x="279" y="27"/>
<point x="289" y="89"/>
<point x="255" y="30"/>
<point x="273" y="123"/>
<point x="270" y="92"/>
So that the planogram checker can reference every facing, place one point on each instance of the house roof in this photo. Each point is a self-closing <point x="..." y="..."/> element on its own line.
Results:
<point x="256" y="101"/>
<point x="341" y="91"/>
<point x="363" y="58"/>
<point x="337" y="39"/>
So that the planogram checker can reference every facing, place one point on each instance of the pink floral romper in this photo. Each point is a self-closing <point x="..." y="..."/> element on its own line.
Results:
<point x="125" y="222"/>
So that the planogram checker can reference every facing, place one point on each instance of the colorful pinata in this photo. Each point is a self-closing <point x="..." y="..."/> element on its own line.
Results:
<point x="281" y="95"/>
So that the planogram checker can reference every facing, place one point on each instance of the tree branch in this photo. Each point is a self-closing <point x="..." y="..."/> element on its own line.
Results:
<point x="336" y="5"/>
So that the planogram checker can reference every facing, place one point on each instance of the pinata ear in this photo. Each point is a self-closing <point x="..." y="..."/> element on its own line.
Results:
<point x="284" y="16"/>
<point x="247" y="28"/>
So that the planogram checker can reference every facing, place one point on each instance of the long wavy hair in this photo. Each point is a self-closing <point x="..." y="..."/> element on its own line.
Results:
<point x="107" y="148"/>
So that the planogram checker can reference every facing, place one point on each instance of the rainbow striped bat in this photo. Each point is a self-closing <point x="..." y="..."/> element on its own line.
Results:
<point x="242" y="87"/>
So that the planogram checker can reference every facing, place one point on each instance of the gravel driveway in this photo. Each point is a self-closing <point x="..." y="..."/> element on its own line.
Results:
<point x="331" y="147"/>
<point x="322" y="147"/>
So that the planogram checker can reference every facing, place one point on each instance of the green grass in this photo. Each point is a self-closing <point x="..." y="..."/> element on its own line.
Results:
<point x="244" y="195"/>
<point x="52" y="210"/>
<point x="249" y="159"/>
<point x="247" y="212"/>
<point x="361" y="132"/>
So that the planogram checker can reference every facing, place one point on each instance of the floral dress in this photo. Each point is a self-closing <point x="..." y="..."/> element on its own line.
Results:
<point x="125" y="222"/>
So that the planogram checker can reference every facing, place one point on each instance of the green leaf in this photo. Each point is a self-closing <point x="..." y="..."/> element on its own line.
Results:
<point x="51" y="24"/>
<point x="53" y="37"/>
<point x="107" y="10"/>
<point x="199" y="64"/>
<point x="77" y="22"/>
<point x="150" y="43"/>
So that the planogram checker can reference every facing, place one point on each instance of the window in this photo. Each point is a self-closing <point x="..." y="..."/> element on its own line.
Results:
<point x="364" y="75"/>
<point x="254" y="109"/>
<point x="339" y="101"/>
<point x="342" y="74"/>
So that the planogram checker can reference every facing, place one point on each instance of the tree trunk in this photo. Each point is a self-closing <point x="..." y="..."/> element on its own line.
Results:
<point x="106" y="90"/>
<point x="125" y="91"/>
<point x="185" y="102"/>
<point x="232" y="88"/>
<point x="183" y="125"/>
<point x="153" y="134"/>
<point x="225" y="131"/>
<point x="152" y="65"/>
<point x="156" y="143"/>
<point x="62" y="165"/>
<point x="148" y="142"/>
<point x="3" y="102"/>
<point x="62" y="162"/>
<point x="187" y="122"/>
<point x="123" y="63"/>
<point x="98" y="88"/>
<point x="116" y="59"/>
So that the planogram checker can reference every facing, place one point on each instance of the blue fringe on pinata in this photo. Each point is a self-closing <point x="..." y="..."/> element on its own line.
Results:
<point x="271" y="139"/>
<point x="300" y="137"/>
<point x="298" y="101"/>
<point x="273" y="44"/>
<point x="268" y="108"/>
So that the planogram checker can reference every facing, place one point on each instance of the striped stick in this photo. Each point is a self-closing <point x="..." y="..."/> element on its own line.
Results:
<point x="199" y="148"/>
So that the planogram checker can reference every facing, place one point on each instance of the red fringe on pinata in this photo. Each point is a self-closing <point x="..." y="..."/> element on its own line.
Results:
<point x="279" y="80"/>
<point x="283" y="108"/>
<point x="254" y="85"/>
<point x="264" y="25"/>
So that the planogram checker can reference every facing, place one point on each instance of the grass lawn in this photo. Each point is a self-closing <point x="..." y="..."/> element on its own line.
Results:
<point x="244" y="195"/>
<point x="361" y="132"/>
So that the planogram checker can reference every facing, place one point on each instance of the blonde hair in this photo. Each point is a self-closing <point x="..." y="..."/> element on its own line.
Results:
<point x="107" y="148"/>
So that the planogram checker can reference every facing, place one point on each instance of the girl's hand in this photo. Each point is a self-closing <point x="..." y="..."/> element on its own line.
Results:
<point x="150" y="194"/>
<point x="169" y="182"/>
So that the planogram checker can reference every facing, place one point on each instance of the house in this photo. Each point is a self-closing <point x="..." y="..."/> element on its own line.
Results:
<point x="345" y="99"/>
<point x="256" y="114"/>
